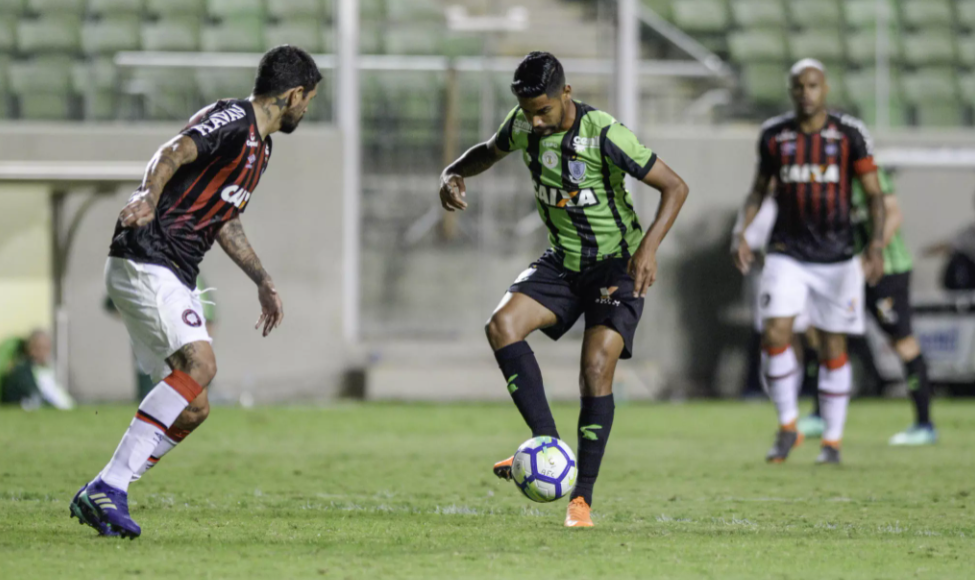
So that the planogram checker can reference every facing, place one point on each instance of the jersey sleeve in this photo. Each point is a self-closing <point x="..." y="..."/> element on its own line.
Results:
<point x="212" y="133"/>
<point x="507" y="138"/>
<point x="766" y="158"/>
<point x="625" y="151"/>
<point x="861" y="146"/>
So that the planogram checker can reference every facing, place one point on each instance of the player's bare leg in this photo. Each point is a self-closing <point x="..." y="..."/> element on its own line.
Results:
<point x="192" y="417"/>
<point x="601" y="350"/>
<point x="103" y="503"/>
<point x="835" y="384"/>
<point x="513" y="320"/>
<point x="782" y="377"/>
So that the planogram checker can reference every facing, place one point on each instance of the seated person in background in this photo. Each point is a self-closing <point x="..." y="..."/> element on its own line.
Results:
<point x="959" y="272"/>
<point x="31" y="383"/>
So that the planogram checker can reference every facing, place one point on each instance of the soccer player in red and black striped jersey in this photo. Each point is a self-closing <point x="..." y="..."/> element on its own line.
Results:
<point x="810" y="158"/>
<point x="195" y="188"/>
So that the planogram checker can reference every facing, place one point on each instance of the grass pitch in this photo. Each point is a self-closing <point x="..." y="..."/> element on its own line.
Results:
<point x="406" y="491"/>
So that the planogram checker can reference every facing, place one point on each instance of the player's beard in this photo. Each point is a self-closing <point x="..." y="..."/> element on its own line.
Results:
<point x="290" y="122"/>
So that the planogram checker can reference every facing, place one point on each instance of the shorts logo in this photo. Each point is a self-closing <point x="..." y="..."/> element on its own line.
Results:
<point x="550" y="159"/>
<point x="191" y="318"/>
<point x="525" y="275"/>
<point x="766" y="300"/>
<point x="606" y="296"/>
<point x="886" y="312"/>
<point x="577" y="171"/>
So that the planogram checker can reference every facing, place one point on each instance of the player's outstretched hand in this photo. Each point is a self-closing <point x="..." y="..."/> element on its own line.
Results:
<point x="140" y="210"/>
<point x="742" y="256"/>
<point x="643" y="269"/>
<point x="873" y="265"/>
<point x="452" y="192"/>
<point x="272" y="310"/>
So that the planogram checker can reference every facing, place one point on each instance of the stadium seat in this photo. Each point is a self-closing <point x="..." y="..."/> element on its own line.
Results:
<point x="413" y="39"/>
<point x="97" y="82"/>
<point x="898" y="113"/>
<point x="752" y="13"/>
<point x="295" y="9"/>
<point x="167" y="93"/>
<point x="966" y="88"/>
<point x="463" y="45"/>
<point x="110" y="35"/>
<point x="942" y="114"/>
<point x="237" y="35"/>
<point x="930" y="85"/>
<point x="824" y="44"/>
<point x="966" y="51"/>
<point x="114" y="8"/>
<point x="369" y="10"/>
<point x="223" y="9"/>
<point x="862" y="84"/>
<point x="815" y="13"/>
<point x="8" y="35"/>
<point x="861" y="47"/>
<point x="54" y="34"/>
<point x="371" y="39"/>
<point x="863" y="13"/>
<point x="414" y="10"/>
<point x="662" y="7"/>
<point x="169" y="9"/>
<point x="175" y="34"/>
<point x="43" y="88"/>
<point x="224" y="83"/>
<point x="930" y="46"/>
<point x="965" y="10"/>
<point x="757" y="46"/>
<point x="921" y="13"/>
<point x="305" y="33"/>
<point x="701" y="15"/>
<point x="12" y="7"/>
<point x="59" y="7"/>
<point x="765" y="83"/>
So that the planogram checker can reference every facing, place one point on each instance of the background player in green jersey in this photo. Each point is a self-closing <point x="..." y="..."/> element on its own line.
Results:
<point x="889" y="302"/>
<point x="600" y="263"/>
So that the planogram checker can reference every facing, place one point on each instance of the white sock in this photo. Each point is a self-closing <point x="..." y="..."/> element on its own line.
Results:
<point x="156" y="413"/>
<point x="164" y="446"/>
<point x="835" y="382"/>
<point x="782" y="378"/>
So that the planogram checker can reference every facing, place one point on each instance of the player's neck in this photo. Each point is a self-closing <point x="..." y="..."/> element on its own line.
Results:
<point x="569" y="119"/>
<point x="268" y="116"/>
<point x="813" y="123"/>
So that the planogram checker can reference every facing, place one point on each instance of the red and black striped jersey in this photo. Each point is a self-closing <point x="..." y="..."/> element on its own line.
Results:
<point x="203" y="195"/>
<point x="813" y="175"/>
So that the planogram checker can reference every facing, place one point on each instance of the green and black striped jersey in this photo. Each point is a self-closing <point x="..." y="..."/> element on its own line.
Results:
<point x="578" y="179"/>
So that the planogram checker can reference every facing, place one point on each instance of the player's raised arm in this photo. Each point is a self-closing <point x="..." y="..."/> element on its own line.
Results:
<point x="474" y="161"/>
<point x="141" y="208"/>
<point x="234" y="242"/>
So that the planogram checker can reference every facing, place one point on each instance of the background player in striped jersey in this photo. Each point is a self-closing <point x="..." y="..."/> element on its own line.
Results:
<point x="600" y="264"/>
<point x="890" y="304"/>
<point x="811" y="158"/>
<point x="194" y="190"/>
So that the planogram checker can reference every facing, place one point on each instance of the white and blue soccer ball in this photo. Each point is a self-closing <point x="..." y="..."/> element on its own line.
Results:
<point x="544" y="469"/>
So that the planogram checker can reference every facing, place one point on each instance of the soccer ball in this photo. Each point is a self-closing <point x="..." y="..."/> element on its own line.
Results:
<point x="544" y="469"/>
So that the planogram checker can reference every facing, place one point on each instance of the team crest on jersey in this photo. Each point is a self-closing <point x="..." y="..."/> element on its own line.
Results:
<point x="191" y="318"/>
<point x="789" y="148"/>
<point x="550" y="159"/>
<point x="577" y="170"/>
<point x="831" y="149"/>
<point x="235" y="195"/>
<point x="555" y="197"/>
<point x="250" y="161"/>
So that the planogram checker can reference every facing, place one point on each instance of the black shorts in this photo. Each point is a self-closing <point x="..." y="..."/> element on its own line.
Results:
<point x="890" y="304"/>
<point x="604" y="293"/>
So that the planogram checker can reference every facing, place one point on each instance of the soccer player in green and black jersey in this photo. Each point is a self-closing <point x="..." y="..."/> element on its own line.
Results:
<point x="889" y="302"/>
<point x="600" y="263"/>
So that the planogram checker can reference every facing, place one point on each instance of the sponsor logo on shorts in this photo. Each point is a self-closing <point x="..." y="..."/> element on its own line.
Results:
<point x="525" y="275"/>
<point x="766" y="300"/>
<point x="886" y="312"/>
<point x="606" y="296"/>
<point x="191" y="318"/>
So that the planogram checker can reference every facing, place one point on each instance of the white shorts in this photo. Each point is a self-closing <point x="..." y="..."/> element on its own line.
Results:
<point x="831" y="294"/>
<point x="753" y="281"/>
<point x="161" y="314"/>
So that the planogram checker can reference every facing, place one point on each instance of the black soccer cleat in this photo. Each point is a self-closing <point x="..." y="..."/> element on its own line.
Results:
<point x="828" y="454"/>
<point x="785" y="441"/>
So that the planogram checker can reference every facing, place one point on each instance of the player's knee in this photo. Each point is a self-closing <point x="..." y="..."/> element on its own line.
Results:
<point x="907" y="348"/>
<point x="501" y="330"/>
<point x="596" y="378"/>
<point x="776" y="336"/>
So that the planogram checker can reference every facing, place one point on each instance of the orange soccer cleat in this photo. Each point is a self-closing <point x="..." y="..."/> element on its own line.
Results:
<point x="577" y="514"/>
<point x="503" y="468"/>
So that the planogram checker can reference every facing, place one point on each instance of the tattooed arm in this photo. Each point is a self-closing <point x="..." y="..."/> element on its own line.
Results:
<point x="141" y="208"/>
<point x="873" y="256"/>
<point x="234" y="242"/>
<point x="476" y="160"/>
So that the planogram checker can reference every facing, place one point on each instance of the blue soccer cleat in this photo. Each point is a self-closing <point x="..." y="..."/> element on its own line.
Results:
<point x="88" y="516"/>
<point x="107" y="506"/>
<point x="916" y="435"/>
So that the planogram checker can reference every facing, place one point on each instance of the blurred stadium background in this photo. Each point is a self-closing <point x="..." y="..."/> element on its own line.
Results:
<point x="385" y="295"/>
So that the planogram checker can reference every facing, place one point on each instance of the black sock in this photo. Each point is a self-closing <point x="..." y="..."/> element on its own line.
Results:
<point x="517" y="362"/>
<point x="917" y="382"/>
<point x="595" y="423"/>
<point x="810" y="379"/>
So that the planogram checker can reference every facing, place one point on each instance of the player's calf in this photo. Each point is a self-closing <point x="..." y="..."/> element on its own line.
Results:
<point x="192" y="417"/>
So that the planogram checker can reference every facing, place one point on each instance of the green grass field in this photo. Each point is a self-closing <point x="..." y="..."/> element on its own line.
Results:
<point x="406" y="491"/>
